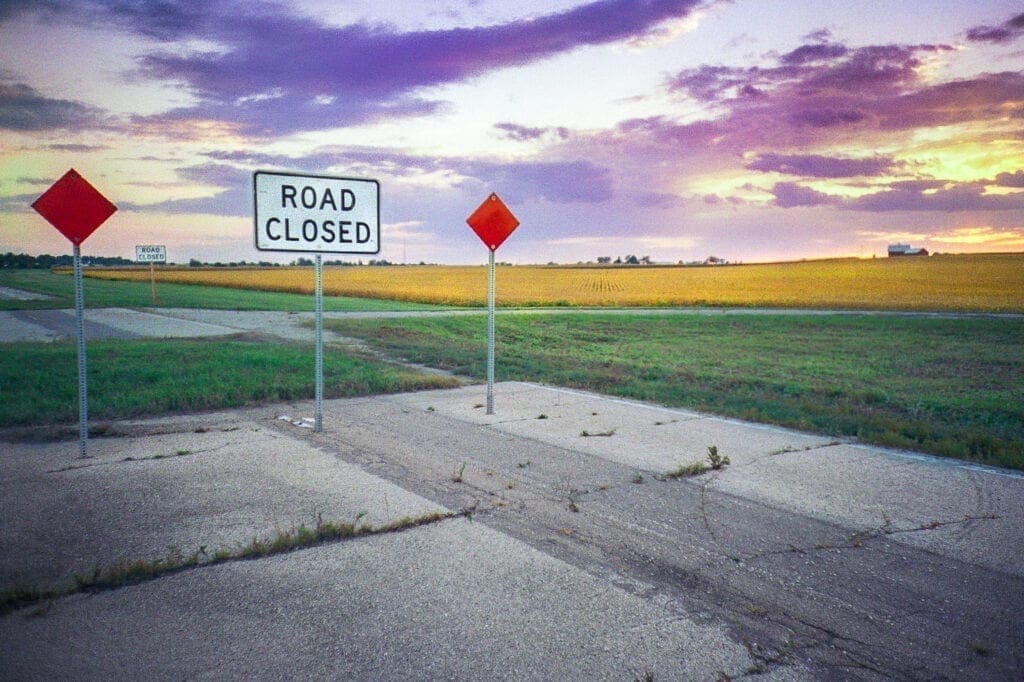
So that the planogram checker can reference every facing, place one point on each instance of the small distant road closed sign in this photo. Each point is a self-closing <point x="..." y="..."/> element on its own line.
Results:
<point x="150" y="253"/>
<point x="316" y="214"/>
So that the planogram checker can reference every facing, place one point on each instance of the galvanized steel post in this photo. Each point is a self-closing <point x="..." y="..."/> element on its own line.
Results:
<point x="83" y="399"/>
<point x="490" y="332"/>
<point x="319" y="276"/>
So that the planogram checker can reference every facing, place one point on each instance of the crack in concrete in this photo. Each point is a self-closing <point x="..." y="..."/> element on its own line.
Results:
<point x="857" y="539"/>
<point x="129" y="573"/>
<point x="124" y="460"/>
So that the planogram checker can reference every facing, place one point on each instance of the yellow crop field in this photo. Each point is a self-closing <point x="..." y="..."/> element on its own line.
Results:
<point x="981" y="283"/>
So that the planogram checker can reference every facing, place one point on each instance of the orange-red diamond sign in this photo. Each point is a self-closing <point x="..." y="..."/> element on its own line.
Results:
<point x="493" y="222"/>
<point x="74" y="207"/>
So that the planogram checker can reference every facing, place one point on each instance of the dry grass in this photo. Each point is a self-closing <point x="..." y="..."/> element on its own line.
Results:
<point x="983" y="283"/>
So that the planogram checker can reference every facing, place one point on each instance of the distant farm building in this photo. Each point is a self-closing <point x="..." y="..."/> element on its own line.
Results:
<point x="905" y="250"/>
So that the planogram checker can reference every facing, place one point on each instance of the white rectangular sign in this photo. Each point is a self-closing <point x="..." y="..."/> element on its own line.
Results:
<point x="151" y="253"/>
<point x="316" y="214"/>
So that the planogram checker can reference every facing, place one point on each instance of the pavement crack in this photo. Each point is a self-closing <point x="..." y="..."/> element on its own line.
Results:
<point x="856" y="540"/>
<point x="134" y="572"/>
<point x="148" y="458"/>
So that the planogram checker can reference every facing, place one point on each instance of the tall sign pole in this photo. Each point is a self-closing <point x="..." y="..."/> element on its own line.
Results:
<point x="83" y="392"/>
<point x="316" y="214"/>
<point x="76" y="209"/>
<point x="318" y="275"/>
<point x="493" y="222"/>
<point x="490" y="332"/>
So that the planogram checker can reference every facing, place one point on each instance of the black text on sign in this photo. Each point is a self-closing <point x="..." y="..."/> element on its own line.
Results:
<point x="316" y="214"/>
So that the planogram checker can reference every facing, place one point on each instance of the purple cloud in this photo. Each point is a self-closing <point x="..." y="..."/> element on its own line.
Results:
<point x="1010" y="29"/>
<point x="816" y="166"/>
<point x="1015" y="179"/>
<point x="814" y="53"/>
<point x="962" y="197"/>
<point x="520" y="133"/>
<point x="22" y="108"/>
<point x="792" y="195"/>
<point x="282" y="72"/>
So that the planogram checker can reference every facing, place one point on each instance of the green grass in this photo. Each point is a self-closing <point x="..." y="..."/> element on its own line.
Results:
<point x="110" y="294"/>
<point x="951" y="387"/>
<point x="39" y="382"/>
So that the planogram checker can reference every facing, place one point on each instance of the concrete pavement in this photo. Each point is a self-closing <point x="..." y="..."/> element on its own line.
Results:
<point x="803" y="558"/>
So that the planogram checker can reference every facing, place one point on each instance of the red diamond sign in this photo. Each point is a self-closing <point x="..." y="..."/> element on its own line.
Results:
<point x="493" y="222"/>
<point x="74" y="207"/>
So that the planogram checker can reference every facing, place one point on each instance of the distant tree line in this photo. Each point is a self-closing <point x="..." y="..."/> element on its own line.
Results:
<point x="22" y="261"/>
<point x="630" y="259"/>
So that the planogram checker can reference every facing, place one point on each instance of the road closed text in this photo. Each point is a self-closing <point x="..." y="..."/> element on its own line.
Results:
<point x="316" y="214"/>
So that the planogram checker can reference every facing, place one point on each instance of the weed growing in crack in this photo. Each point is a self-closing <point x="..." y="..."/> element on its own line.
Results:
<point x="542" y="416"/>
<point x="600" y="434"/>
<point x="457" y="475"/>
<point x="980" y="648"/>
<point x="717" y="461"/>
<point x="12" y="598"/>
<point x="638" y="478"/>
<point x="688" y="470"/>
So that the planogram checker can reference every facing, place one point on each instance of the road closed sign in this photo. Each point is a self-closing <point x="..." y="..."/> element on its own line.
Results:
<point x="316" y="214"/>
<point x="150" y="253"/>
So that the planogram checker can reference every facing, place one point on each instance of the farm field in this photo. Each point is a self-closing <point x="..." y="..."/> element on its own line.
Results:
<point x="107" y="293"/>
<point x="951" y="387"/>
<point x="965" y="283"/>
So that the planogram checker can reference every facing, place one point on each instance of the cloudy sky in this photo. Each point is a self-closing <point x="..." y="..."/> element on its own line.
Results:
<point x="678" y="129"/>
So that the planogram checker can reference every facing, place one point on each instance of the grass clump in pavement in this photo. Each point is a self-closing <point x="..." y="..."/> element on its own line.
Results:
<point x="142" y="570"/>
<point x="715" y="463"/>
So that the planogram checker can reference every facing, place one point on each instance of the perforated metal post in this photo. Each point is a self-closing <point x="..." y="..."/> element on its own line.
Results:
<point x="83" y="399"/>
<point x="490" y="333"/>
<point x="318" y="423"/>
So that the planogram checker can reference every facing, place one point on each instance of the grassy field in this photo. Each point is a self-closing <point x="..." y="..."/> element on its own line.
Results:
<point x="950" y="387"/>
<point x="103" y="293"/>
<point x="980" y="283"/>
<point x="38" y="384"/>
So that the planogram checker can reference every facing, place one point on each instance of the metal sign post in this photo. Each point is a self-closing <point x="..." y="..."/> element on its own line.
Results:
<point x="76" y="208"/>
<point x="83" y="393"/>
<point x="318" y="423"/>
<point x="493" y="223"/>
<point x="316" y="214"/>
<point x="490" y="332"/>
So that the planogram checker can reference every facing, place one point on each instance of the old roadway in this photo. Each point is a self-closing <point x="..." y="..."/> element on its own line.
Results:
<point x="804" y="558"/>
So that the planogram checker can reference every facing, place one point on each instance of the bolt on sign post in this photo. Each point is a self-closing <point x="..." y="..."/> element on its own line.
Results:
<point x="76" y="209"/>
<point x="316" y="214"/>
<point x="151" y="253"/>
<point x="493" y="222"/>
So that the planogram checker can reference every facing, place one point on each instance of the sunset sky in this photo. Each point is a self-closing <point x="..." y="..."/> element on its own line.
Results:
<point x="677" y="129"/>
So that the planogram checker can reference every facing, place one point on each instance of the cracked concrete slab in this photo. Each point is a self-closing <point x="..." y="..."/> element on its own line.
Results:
<point x="648" y="437"/>
<point x="455" y="600"/>
<point x="571" y="567"/>
<point x="969" y="512"/>
<point x="135" y="498"/>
